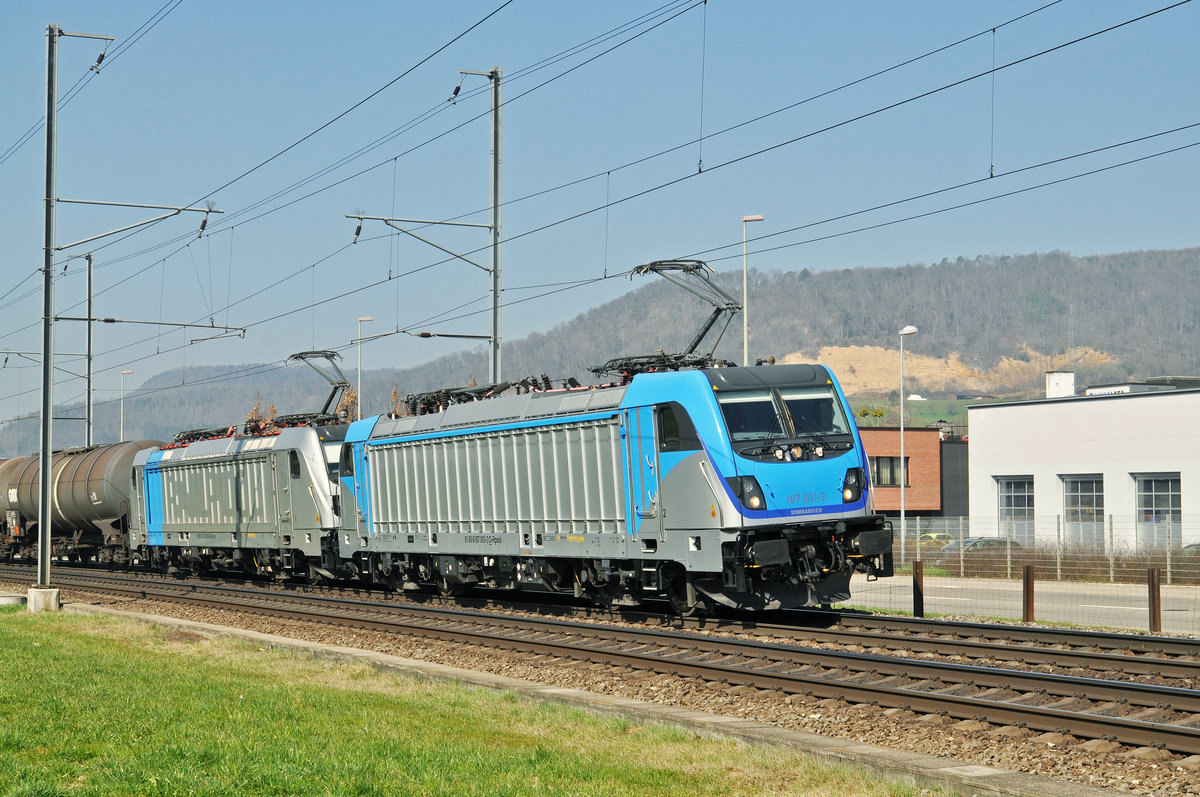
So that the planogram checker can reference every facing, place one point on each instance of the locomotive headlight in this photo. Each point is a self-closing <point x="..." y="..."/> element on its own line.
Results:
<point x="748" y="491"/>
<point x="779" y="453"/>
<point x="852" y="487"/>
<point x="797" y="452"/>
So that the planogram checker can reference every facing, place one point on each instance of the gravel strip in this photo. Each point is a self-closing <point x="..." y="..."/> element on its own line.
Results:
<point x="1095" y="763"/>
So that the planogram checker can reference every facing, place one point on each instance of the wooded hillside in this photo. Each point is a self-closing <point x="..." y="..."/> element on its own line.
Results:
<point x="1109" y="318"/>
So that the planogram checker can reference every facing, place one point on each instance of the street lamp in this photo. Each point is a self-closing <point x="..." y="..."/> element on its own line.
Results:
<point x="358" y="398"/>
<point x="746" y="293"/>
<point x="908" y="330"/>
<point x="123" y="375"/>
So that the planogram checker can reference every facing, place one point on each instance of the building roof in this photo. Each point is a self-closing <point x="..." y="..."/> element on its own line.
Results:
<point x="1067" y="399"/>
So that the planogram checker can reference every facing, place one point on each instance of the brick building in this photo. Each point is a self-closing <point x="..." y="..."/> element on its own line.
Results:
<point x="936" y="470"/>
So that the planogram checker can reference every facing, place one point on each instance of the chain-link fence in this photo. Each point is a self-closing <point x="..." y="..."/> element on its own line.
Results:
<point x="1086" y="573"/>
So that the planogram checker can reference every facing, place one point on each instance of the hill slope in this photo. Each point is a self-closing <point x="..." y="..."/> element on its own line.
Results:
<point x="988" y="324"/>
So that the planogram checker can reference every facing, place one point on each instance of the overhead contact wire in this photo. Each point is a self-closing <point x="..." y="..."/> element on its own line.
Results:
<point x="886" y="108"/>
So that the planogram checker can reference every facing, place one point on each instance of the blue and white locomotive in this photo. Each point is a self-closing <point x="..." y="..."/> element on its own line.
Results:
<point x="746" y="487"/>
<point x="686" y="479"/>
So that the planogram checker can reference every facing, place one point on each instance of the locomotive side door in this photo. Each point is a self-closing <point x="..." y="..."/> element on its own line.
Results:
<point x="350" y="495"/>
<point x="153" y="495"/>
<point x="287" y="474"/>
<point x="641" y="450"/>
<point x="137" y="509"/>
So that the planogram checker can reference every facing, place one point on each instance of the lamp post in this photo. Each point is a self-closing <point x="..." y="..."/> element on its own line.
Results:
<point x="746" y="293"/>
<point x="358" y="397"/>
<point x="905" y="332"/>
<point x="123" y="375"/>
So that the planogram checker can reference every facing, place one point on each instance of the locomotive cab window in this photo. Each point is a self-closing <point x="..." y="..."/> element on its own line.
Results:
<point x="294" y="464"/>
<point x="751" y="415"/>
<point x="814" y="410"/>
<point x="676" y="432"/>
<point x="346" y="466"/>
<point x="331" y="452"/>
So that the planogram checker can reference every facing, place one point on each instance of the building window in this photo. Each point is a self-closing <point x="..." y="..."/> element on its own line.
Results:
<point x="1159" y="510"/>
<point x="1016" y="508"/>
<point x="1083" y="511"/>
<point x="885" y="471"/>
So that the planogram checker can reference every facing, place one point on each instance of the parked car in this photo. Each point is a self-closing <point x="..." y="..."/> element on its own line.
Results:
<point x="931" y="537"/>
<point x="949" y="553"/>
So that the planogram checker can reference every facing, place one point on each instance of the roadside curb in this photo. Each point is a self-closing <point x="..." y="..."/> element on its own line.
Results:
<point x="914" y="768"/>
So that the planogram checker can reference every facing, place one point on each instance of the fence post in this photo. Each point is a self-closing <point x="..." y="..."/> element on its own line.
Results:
<point x="1170" y="544"/>
<point x="918" y="577"/>
<point x="962" y="560"/>
<point x="1058" y="551"/>
<point x="1112" y="574"/>
<point x="1155" y="600"/>
<point x="1027" y="595"/>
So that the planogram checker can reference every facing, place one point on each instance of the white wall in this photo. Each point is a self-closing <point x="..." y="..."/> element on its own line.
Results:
<point x="1115" y="436"/>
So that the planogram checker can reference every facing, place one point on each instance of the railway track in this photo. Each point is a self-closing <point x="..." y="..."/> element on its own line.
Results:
<point x="1143" y="715"/>
<point x="1064" y="650"/>
<point x="1136" y="655"/>
<point x="1172" y="660"/>
<point x="1062" y="638"/>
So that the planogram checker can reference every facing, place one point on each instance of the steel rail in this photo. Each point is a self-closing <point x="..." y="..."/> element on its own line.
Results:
<point x="1015" y="634"/>
<point x="1164" y="657"/>
<point x="1151" y="663"/>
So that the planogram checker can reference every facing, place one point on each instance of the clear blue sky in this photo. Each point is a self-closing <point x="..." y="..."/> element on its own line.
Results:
<point x="214" y="89"/>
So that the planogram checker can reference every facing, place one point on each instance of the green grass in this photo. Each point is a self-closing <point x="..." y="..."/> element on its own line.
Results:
<point x="100" y="706"/>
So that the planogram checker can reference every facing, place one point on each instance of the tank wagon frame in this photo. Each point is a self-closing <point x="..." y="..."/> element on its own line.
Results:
<point x="90" y="503"/>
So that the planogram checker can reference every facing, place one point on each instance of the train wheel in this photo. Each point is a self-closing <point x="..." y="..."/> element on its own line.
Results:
<point x="445" y="588"/>
<point x="314" y="577"/>
<point x="682" y="597"/>
<point x="159" y="562"/>
<point x="600" y="596"/>
<point x="392" y="581"/>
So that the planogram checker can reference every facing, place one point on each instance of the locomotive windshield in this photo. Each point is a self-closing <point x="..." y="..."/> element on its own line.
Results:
<point x="789" y="412"/>
<point x="814" y="410"/>
<point x="751" y="415"/>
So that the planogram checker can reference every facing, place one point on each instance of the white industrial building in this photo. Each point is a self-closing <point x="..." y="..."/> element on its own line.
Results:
<point x="1118" y="468"/>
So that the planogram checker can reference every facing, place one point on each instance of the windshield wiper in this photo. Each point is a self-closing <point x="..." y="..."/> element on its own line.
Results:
<point x="810" y="431"/>
<point x="768" y="443"/>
